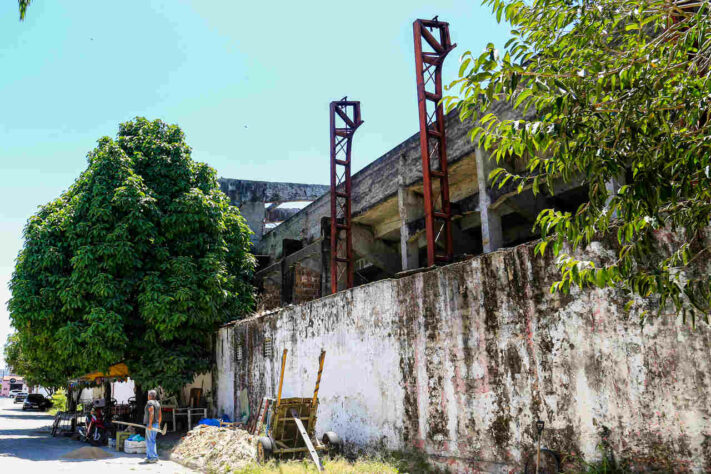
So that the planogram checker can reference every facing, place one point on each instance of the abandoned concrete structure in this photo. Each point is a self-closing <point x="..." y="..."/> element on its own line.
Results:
<point x="388" y="216"/>
<point x="460" y="361"/>
<point x="259" y="201"/>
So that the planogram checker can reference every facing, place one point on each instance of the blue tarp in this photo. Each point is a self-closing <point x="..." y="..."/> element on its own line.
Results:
<point x="214" y="421"/>
<point x="209" y="421"/>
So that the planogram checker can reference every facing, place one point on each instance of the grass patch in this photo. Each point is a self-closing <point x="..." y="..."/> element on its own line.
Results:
<point x="304" y="466"/>
<point x="390" y="463"/>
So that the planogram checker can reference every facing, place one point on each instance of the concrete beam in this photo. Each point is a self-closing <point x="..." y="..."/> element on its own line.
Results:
<point x="613" y="187"/>
<point x="375" y="250"/>
<point x="241" y="190"/>
<point x="279" y="214"/>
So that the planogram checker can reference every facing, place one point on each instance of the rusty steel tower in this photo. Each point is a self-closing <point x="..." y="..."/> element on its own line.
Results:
<point x="433" y="144"/>
<point x="345" y="119"/>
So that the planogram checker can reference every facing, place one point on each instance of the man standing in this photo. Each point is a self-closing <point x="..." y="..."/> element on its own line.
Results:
<point x="152" y="418"/>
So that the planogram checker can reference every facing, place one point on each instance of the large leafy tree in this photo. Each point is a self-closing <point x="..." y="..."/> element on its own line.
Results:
<point x="606" y="91"/>
<point x="139" y="261"/>
<point x="34" y="373"/>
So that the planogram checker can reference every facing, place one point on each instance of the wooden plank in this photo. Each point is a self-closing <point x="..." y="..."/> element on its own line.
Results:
<point x="307" y="441"/>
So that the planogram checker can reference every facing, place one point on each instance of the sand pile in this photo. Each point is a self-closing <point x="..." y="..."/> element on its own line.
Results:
<point x="211" y="448"/>
<point x="87" y="452"/>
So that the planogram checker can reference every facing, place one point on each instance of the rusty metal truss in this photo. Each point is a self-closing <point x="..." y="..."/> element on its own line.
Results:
<point x="345" y="119"/>
<point x="429" y="57"/>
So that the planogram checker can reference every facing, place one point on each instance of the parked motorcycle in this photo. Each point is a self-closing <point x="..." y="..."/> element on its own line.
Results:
<point x="96" y="428"/>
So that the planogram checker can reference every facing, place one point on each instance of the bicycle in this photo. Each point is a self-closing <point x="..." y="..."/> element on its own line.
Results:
<point x="55" y="425"/>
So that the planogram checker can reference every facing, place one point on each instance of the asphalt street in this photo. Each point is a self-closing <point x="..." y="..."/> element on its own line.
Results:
<point x="27" y="447"/>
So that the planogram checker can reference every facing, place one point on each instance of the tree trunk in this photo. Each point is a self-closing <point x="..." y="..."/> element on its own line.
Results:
<point x="141" y="399"/>
<point x="107" y="394"/>
<point x="71" y="406"/>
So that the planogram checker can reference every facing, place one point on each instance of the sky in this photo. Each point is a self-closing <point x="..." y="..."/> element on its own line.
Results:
<point x="249" y="82"/>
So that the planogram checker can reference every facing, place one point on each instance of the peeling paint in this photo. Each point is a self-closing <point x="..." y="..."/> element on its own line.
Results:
<point x="460" y="362"/>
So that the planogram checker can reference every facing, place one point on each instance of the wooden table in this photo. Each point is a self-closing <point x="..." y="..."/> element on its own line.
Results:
<point x="170" y="411"/>
<point x="188" y="413"/>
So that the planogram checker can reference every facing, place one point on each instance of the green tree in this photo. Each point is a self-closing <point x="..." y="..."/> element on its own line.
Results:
<point x="139" y="261"/>
<point x="605" y="89"/>
<point x="26" y="365"/>
<point x="22" y="5"/>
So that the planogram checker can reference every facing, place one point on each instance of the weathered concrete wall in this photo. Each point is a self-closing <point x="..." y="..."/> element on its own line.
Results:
<point x="241" y="190"/>
<point x="460" y="361"/>
<point x="251" y="197"/>
<point x="225" y="370"/>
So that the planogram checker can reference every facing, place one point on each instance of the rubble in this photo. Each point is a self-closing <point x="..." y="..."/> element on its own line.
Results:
<point x="214" y="449"/>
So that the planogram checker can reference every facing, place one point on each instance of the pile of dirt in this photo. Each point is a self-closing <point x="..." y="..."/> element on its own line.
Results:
<point x="214" y="449"/>
<point x="87" y="452"/>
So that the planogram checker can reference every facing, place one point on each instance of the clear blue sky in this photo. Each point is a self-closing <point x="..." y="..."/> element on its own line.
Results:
<point x="248" y="82"/>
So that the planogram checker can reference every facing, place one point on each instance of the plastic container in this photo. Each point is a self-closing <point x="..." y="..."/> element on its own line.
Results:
<point x="134" y="447"/>
<point x="121" y="437"/>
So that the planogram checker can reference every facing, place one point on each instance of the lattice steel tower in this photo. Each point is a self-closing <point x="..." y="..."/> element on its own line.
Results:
<point x="345" y="119"/>
<point x="433" y="144"/>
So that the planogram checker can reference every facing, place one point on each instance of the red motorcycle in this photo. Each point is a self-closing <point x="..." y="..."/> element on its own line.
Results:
<point x="96" y="429"/>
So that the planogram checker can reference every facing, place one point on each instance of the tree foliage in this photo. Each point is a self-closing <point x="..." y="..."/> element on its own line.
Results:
<point x="22" y="6"/>
<point x="139" y="261"/>
<point x="606" y="89"/>
<point x="34" y="373"/>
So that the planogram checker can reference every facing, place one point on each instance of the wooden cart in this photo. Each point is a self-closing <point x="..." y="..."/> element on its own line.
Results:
<point x="290" y="426"/>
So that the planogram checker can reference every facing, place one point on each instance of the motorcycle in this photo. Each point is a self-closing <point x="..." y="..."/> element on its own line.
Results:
<point x="96" y="429"/>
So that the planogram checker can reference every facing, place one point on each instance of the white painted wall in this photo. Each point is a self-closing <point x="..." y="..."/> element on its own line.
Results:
<point x="202" y="381"/>
<point x="225" y="386"/>
<point x="461" y="361"/>
<point x="122" y="391"/>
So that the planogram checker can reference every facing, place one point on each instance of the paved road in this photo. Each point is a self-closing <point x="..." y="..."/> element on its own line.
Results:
<point x="27" y="447"/>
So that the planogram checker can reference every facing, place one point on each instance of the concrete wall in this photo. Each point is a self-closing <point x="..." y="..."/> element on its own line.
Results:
<point x="225" y="374"/>
<point x="122" y="391"/>
<point x="461" y="361"/>
<point x="251" y="197"/>
<point x="201" y="381"/>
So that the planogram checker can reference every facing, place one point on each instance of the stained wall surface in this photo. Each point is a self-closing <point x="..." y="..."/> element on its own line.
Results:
<point x="460" y="362"/>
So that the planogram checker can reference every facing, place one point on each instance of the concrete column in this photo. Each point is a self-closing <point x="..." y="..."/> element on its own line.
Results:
<point x="491" y="231"/>
<point x="254" y="213"/>
<point x="613" y="187"/>
<point x="411" y="207"/>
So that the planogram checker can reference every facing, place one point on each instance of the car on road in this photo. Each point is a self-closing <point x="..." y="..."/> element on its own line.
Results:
<point x="36" y="401"/>
<point x="13" y="393"/>
<point x="20" y="397"/>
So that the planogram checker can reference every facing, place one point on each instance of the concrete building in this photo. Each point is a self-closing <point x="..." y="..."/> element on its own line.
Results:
<point x="459" y="362"/>
<point x="388" y="217"/>
<point x="12" y="382"/>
